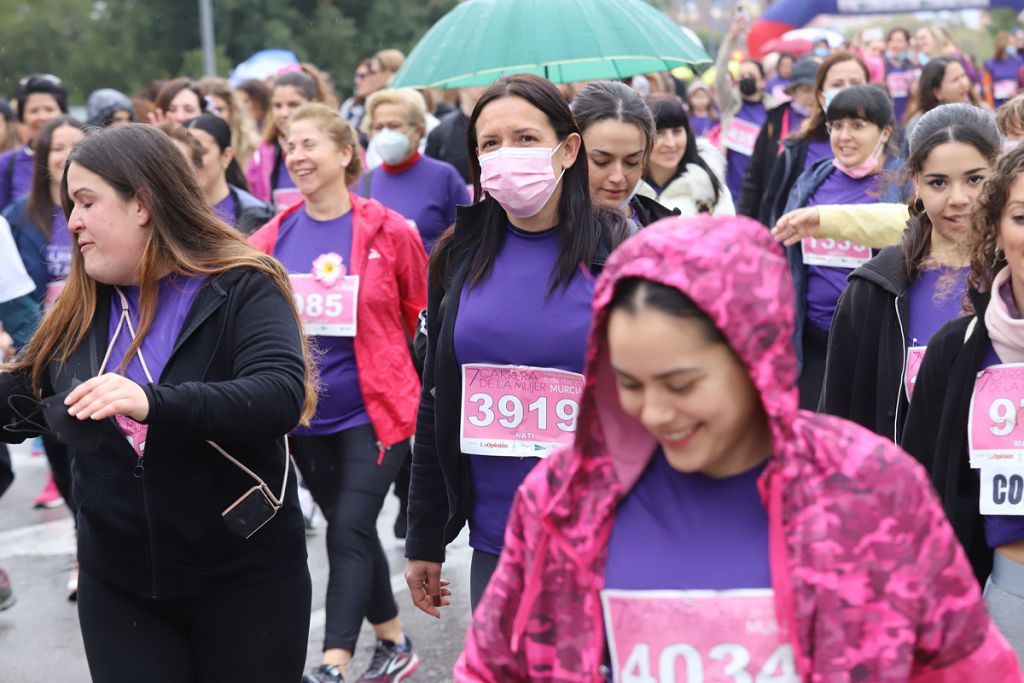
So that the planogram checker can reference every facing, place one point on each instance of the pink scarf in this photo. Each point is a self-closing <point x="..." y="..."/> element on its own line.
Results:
<point x="1003" y="320"/>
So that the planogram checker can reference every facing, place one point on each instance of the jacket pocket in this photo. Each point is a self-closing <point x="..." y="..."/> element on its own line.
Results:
<point x="111" y="514"/>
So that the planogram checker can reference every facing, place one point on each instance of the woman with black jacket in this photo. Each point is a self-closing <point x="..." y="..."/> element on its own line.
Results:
<point x="963" y="422"/>
<point x="508" y="303"/>
<point x="221" y="179"/>
<point x="618" y="132"/>
<point x="810" y="144"/>
<point x="898" y="300"/>
<point x="173" y="364"/>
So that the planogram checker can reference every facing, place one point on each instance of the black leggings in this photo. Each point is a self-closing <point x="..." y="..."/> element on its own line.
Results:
<point x="342" y="473"/>
<point x="480" y="571"/>
<point x="815" y="342"/>
<point x="255" y="633"/>
<point x="6" y="470"/>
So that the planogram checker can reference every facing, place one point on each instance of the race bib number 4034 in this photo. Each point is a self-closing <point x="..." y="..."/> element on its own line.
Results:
<point x="696" y="637"/>
<point x="516" y="410"/>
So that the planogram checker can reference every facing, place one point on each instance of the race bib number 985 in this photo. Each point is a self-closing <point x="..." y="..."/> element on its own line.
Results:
<point x="696" y="637"/>
<point x="516" y="410"/>
<point x="326" y="311"/>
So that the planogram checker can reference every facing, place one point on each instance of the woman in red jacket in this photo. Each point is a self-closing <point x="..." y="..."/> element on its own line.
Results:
<point x="359" y="276"/>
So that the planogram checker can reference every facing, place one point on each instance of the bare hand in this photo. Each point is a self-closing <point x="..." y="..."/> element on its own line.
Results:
<point x="7" y="349"/>
<point x="108" y="395"/>
<point x="428" y="590"/>
<point x="740" y="24"/>
<point x="797" y="225"/>
<point x="157" y="116"/>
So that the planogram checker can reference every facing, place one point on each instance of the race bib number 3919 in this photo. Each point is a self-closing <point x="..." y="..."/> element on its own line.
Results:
<point x="516" y="410"/>
<point x="696" y="637"/>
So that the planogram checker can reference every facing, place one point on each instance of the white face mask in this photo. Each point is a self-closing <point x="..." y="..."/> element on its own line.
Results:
<point x="392" y="145"/>
<point x="830" y="95"/>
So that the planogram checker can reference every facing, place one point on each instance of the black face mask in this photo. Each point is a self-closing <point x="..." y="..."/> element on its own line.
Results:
<point x="748" y="87"/>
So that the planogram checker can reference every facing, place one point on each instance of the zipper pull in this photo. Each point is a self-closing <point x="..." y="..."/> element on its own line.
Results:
<point x="140" y="469"/>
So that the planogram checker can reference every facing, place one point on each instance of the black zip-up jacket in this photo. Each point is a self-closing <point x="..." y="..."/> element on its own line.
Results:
<point x="152" y="527"/>
<point x="936" y="429"/>
<point x="867" y="347"/>
<point x="250" y="213"/>
<point x="440" y="487"/>
<point x="759" y="170"/>
<point x="649" y="210"/>
<point x="788" y="166"/>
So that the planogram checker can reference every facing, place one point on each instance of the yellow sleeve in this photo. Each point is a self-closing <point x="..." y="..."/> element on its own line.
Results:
<point x="876" y="225"/>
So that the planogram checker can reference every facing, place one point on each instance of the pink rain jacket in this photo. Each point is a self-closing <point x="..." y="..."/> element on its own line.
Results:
<point x="870" y="583"/>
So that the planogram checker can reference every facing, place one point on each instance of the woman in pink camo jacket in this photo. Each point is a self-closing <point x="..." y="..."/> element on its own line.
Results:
<point x="868" y="581"/>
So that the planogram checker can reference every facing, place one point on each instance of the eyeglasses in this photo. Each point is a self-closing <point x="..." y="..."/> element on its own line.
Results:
<point x="847" y="125"/>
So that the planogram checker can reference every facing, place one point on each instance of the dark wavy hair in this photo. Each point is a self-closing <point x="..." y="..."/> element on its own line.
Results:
<point x="615" y="101"/>
<point x="632" y="294"/>
<point x="669" y="113"/>
<point x="928" y="82"/>
<point x="581" y="222"/>
<point x="961" y="123"/>
<point x="987" y="217"/>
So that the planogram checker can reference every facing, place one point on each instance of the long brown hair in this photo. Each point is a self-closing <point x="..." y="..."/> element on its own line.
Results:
<point x="40" y="206"/>
<point x="986" y="218"/>
<point x="186" y="237"/>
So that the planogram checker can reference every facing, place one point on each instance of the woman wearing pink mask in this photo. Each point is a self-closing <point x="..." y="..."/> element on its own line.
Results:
<point x="860" y="125"/>
<point x="507" y="323"/>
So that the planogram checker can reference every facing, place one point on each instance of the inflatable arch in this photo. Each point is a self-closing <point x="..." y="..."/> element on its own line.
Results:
<point x="786" y="15"/>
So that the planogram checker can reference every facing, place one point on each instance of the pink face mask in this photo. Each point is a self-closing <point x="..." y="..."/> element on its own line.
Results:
<point x="869" y="166"/>
<point x="519" y="178"/>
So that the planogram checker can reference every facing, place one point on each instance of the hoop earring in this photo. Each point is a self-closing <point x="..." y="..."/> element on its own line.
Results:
<point x="919" y="205"/>
<point x="1000" y="256"/>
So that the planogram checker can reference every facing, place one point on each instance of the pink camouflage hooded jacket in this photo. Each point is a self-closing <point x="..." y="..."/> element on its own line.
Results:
<point x="870" y="583"/>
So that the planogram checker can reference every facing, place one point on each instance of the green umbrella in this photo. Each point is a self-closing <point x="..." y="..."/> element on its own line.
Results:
<point x="480" y="41"/>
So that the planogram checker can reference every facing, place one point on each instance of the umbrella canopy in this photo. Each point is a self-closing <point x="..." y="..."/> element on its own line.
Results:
<point x="261" y="65"/>
<point x="479" y="41"/>
<point x="795" y="46"/>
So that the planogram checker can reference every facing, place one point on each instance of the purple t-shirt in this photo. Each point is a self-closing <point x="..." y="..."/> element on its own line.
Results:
<point x="776" y="87"/>
<point x="1004" y="74"/>
<point x="701" y="125"/>
<point x="1000" y="529"/>
<point x="225" y="209"/>
<point x="425" y="194"/>
<point x="816" y="151"/>
<point x="175" y="297"/>
<point x="682" y="531"/>
<point x="825" y="284"/>
<point x="300" y="241"/>
<point x="19" y="182"/>
<point x="58" y="248"/>
<point x="935" y="299"/>
<point x="736" y="163"/>
<point x="510" y="319"/>
<point x="899" y="79"/>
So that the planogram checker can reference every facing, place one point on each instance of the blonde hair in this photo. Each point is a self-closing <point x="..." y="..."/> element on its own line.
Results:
<point x="413" y="102"/>
<point x="391" y="59"/>
<point x="1010" y="116"/>
<point x="244" y="139"/>
<point x="337" y="129"/>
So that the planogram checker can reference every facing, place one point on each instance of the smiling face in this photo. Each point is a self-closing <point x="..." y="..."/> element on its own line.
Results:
<point x="692" y="394"/>
<point x="955" y="86"/>
<point x="62" y="142"/>
<point x="615" y="151"/>
<point x="111" y="232"/>
<point x="854" y="140"/>
<point x="669" y="148"/>
<point x="925" y="41"/>
<point x="950" y="181"/>
<point x="841" y="75"/>
<point x="313" y="159"/>
<point x="40" y="109"/>
<point x="184" y="106"/>
<point x="283" y="102"/>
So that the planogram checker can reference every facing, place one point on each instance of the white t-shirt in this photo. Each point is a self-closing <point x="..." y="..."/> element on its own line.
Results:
<point x="14" y="279"/>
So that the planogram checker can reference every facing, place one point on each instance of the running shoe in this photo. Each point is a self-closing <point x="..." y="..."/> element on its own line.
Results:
<point x="50" y="497"/>
<point x="391" y="662"/>
<point x="325" y="673"/>
<point x="6" y="592"/>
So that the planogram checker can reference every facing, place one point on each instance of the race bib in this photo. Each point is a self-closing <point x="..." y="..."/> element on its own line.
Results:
<point x="696" y="636"/>
<point x="53" y="290"/>
<point x="327" y="311"/>
<point x="900" y="83"/>
<point x="915" y="356"/>
<point x="518" y="410"/>
<point x="994" y="436"/>
<point x="1005" y="89"/>
<point x="1002" y="491"/>
<point x="834" y="253"/>
<point x="741" y="136"/>
<point x="285" y="197"/>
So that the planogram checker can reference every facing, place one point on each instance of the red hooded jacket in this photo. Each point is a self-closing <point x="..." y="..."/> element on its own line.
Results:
<point x="388" y="256"/>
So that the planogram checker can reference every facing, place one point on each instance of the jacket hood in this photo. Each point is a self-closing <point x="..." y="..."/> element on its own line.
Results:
<point x="733" y="270"/>
<point x="887" y="270"/>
